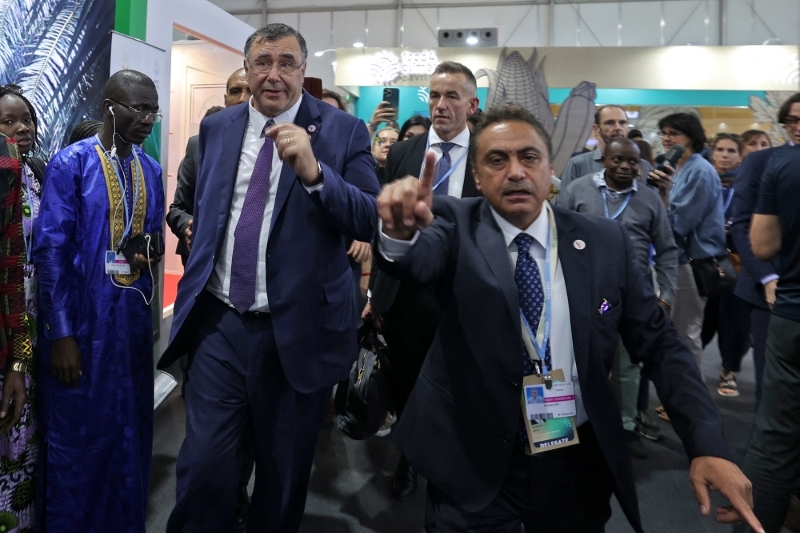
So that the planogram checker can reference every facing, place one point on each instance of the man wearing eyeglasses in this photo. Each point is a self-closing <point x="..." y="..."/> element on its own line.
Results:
<point x="265" y="305"/>
<point x="96" y="356"/>
<point x="610" y="122"/>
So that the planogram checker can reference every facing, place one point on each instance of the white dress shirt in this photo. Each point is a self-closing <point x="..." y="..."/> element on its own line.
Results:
<point x="458" y="154"/>
<point x="562" y="351"/>
<point x="220" y="282"/>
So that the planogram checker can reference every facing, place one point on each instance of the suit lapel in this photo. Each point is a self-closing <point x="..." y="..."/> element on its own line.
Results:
<point x="576" y="265"/>
<point x="469" y="190"/>
<point x="493" y="246"/>
<point x="232" y="142"/>
<point x="307" y="115"/>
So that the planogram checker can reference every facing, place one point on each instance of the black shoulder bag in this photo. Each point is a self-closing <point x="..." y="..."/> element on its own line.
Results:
<point x="362" y="404"/>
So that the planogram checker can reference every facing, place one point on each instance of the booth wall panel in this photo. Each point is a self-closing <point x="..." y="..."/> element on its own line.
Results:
<point x="416" y="33"/>
<point x="565" y="26"/>
<point x="532" y="30"/>
<point x="598" y="24"/>
<point x="641" y="24"/>
<point x="383" y="28"/>
<point x="772" y="18"/>
<point x="349" y="27"/>
<point x="316" y="30"/>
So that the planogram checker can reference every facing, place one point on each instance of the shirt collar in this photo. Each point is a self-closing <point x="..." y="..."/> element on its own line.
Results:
<point x="538" y="228"/>
<point x="259" y="121"/>
<point x="600" y="181"/>
<point x="462" y="139"/>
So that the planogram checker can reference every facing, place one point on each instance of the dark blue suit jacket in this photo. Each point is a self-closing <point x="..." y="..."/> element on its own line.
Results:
<point x="460" y="424"/>
<point x="309" y="281"/>
<point x="745" y="199"/>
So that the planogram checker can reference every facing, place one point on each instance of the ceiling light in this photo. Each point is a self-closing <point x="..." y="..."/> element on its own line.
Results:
<point x="358" y="45"/>
<point x="472" y="40"/>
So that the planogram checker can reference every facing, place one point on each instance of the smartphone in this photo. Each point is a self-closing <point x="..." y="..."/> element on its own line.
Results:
<point x="393" y="97"/>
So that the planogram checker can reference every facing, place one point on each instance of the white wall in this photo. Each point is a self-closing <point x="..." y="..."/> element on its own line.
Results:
<point x="203" y="19"/>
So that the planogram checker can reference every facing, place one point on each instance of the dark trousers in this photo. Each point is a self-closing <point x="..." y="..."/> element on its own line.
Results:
<point x="409" y="328"/>
<point x="238" y="386"/>
<point x="759" y="324"/>
<point x="560" y="491"/>
<point x="729" y="317"/>
<point x="772" y="461"/>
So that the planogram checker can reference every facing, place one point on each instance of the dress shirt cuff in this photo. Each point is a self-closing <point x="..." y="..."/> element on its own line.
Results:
<point x="767" y="279"/>
<point x="59" y="326"/>
<point x="314" y="188"/>
<point x="393" y="249"/>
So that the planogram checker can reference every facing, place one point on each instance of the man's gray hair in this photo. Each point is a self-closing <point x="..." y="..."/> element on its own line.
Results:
<point x="272" y="33"/>
<point x="451" y="67"/>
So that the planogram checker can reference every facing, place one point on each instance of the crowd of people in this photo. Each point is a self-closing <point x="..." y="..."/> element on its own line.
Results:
<point x="296" y="222"/>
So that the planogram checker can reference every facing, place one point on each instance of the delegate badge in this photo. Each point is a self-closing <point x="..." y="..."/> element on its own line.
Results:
<point x="116" y="263"/>
<point x="549" y="412"/>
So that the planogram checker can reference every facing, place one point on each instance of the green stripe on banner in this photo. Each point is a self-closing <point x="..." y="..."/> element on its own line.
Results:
<point x="131" y="18"/>
<point x="664" y="97"/>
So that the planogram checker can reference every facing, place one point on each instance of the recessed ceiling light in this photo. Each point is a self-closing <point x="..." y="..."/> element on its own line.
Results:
<point x="358" y="45"/>
<point x="472" y="40"/>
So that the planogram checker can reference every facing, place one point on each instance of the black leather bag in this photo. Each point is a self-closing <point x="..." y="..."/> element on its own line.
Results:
<point x="361" y="403"/>
<point x="714" y="275"/>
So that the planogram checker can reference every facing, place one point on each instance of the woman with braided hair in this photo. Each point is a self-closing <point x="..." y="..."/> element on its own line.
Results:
<point x="84" y="130"/>
<point x="19" y="440"/>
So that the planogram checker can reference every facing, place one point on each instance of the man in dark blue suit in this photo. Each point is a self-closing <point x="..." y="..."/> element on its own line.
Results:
<point x="494" y="261"/>
<point x="265" y="305"/>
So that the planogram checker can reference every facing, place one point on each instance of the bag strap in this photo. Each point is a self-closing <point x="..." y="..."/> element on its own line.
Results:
<point x="37" y="166"/>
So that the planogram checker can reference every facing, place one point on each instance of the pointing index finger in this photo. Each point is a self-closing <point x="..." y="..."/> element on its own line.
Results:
<point x="426" y="180"/>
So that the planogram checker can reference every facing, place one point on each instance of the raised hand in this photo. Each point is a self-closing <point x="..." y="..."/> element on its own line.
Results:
<point x="404" y="206"/>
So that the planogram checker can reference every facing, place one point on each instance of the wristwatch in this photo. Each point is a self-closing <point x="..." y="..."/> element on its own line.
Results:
<point x="19" y="366"/>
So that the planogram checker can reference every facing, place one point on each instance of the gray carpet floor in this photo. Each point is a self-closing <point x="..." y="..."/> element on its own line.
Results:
<point x="349" y="490"/>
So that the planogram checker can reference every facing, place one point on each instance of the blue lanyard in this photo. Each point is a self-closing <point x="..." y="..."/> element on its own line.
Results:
<point x="452" y="168"/>
<point x="728" y="200"/>
<point x="621" y="209"/>
<point x="542" y="337"/>
<point x="29" y="239"/>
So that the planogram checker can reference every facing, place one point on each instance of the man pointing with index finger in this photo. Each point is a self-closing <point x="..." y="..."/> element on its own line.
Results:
<point x="534" y="294"/>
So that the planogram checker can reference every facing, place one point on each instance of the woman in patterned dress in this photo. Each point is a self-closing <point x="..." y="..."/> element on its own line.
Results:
<point x="19" y="441"/>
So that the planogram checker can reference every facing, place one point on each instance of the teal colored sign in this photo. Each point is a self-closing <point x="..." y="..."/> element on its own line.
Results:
<point x="414" y="100"/>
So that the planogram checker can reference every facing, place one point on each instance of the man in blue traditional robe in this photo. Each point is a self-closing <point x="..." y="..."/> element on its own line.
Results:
<point x="96" y="335"/>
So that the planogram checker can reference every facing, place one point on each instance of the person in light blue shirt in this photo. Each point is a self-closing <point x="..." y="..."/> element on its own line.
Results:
<point x="695" y="212"/>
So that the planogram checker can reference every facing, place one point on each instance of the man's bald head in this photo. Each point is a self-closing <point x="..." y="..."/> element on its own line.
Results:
<point x="122" y="83"/>
<point x="237" y="90"/>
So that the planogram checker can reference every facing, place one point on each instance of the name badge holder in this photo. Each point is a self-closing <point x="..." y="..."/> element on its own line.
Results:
<point x="547" y="400"/>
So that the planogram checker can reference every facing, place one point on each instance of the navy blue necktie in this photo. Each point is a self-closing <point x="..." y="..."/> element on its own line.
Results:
<point x="442" y="168"/>
<point x="531" y="300"/>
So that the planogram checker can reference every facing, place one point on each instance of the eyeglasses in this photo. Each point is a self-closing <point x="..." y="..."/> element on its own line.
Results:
<point x="791" y="121"/>
<point x="670" y="134"/>
<point x="388" y="142"/>
<point x="155" y="116"/>
<point x="285" y="67"/>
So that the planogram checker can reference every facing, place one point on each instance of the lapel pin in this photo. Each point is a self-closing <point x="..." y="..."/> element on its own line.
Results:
<point x="312" y="128"/>
<point x="579" y="244"/>
<point x="604" y="307"/>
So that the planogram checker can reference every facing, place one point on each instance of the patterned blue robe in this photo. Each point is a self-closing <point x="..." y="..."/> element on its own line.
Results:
<point x="97" y="438"/>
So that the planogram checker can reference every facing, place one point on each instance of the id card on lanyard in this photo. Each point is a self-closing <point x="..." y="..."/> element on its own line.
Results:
<point x="548" y="400"/>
